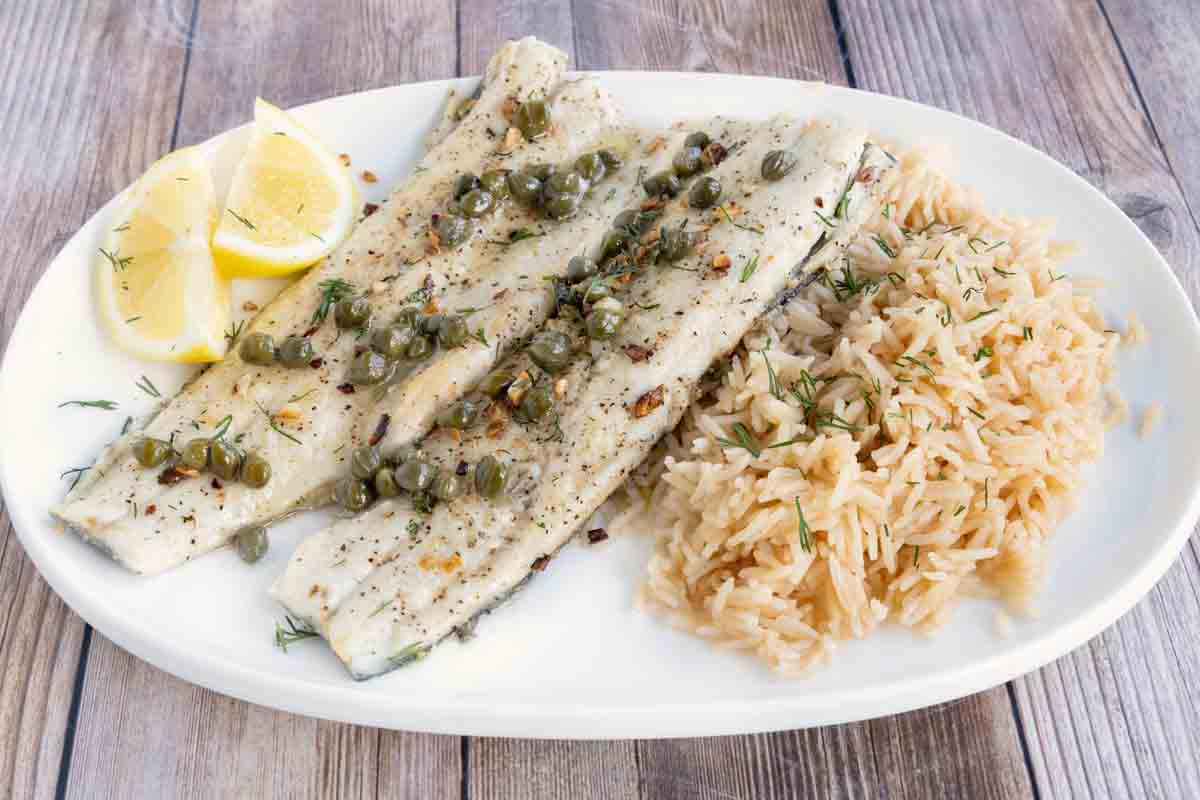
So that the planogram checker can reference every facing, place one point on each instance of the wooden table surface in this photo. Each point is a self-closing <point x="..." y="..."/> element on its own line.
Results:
<point x="92" y="91"/>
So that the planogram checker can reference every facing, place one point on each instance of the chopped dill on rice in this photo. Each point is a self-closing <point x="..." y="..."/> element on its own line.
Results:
<point x="935" y="401"/>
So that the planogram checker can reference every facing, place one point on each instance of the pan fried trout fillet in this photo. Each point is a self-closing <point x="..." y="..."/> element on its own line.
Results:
<point x="387" y="585"/>
<point x="305" y="421"/>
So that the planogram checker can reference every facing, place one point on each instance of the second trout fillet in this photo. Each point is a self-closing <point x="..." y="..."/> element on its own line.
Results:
<point x="385" y="586"/>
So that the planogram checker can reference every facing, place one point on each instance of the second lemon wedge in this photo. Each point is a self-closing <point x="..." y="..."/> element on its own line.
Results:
<point x="157" y="289"/>
<point x="291" y="201"/>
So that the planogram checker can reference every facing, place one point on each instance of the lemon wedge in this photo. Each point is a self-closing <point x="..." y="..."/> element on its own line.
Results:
<point x="158" y="289"/>
<point x="290" y="203"/>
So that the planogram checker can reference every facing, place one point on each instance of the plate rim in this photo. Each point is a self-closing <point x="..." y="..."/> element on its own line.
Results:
<point x="582" y="721"/>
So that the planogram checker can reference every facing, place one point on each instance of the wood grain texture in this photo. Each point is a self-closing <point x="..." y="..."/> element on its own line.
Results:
<point x="484" y="25"/>
<point x="69" y="144"/>
<point x="141" y="732"/>
<point x="769" y="37"/>
<point x="1118" y="717"/>
<point x="507" y="769"/>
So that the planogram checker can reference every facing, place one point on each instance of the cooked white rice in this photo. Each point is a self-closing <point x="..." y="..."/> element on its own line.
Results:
<point x="954" y="402"/>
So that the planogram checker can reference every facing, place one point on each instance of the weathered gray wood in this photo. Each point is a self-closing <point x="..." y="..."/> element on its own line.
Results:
<point x="769" y="37"/>
<point x="1119" y="716"/>
<point x="69" y="75"/>
<point x="141" y="732"/>
<point x="525" y="769"/>
<point x="487" y="24"/>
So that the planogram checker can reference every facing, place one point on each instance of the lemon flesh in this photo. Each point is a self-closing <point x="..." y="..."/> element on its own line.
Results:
<point x="290" y="204"/>
<point x="158" y="290"/>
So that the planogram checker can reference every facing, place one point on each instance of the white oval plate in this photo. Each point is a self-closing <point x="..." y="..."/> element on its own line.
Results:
<point x="570" y="656"/>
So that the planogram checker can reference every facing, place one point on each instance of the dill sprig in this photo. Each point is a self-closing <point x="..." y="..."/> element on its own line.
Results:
<point x="147" y="386"/>
<point x="481" y="336"/>
<point x="848" y="285"/>
<point x="235" y="330"/>
<point x="414" y="652"/>
<point x="983" y="314"/>
<point x="976" y="413"/>
<point x="805" y="391"/>
<point x="118" y="262"/>
<point x="1054" y="278"/>
<point x="802" y="528"/>
<point x="749" y="269"/>
<point x="516" y="235"/>
<point x="1027" y="333"/>
<point x="737" y="224"/>
<point x="242" y="219"/>
<point x="983" y="352"/>
<point x="76" y="473"/>
<point x="222" y="427"/>
<point x="107" y="405"/>
<point x="1005" y="273"/>
<point x="274" y="426"/>
<point x="827" y="419"/>
<point x="292" y="632"/>
<point x="775" y="387"/>
<point x="742" y="438"/>
<point x="789" y="442"/>
<point x="882" y="244"/>
<point x="828" y="223"/>
<point x="332" y="291"/>
<point x="916" y="362"/>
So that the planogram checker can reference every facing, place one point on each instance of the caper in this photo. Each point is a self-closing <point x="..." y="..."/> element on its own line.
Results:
<point x="561" y="206"/>
<point x="566" y="182"/>
<point x="537" y="403"/>
<point x="428" y="324"/>
<point x="476" y="203"/>
<point x="705" y="192"/>
<point x="541" y="171"/>
<point x="151" y="452"/>
<point x="687" y="162"/>
<point x="533" y="118"/>
<point x="674" y="244"/>
<point x="385" y="483"/>
<point x="296" y="351"/>
<point x="495" y="183"/>
<point x="352" y="494"/>
<point x="494" y="382"/>
<point x="368" y="367"/>
<point x="526" y="188"/>
<point x="392" y="341"/>
<point x="591" y="166"/>
<point x="662" y="183"/>
<point x="453" y="230"/>
<point x="697" y="139"/>
<point x="415" y="474"/>
<point x="596" y="290"/>
<point x="195" y="454"/>
<point x="611" y="160"/>
<point x="453" y="331"/>
<point x="465" y="183"/>
<point x="606" y="317"/>
<point x="225" y="460"/>
<point x="462" y="415"/>
<point x="258" y="348"/>
<point x="491" y="476"/>
<point x="408" y="317"/>
<point x="420" y="348"/>
<point x="252" y="543"/>
<point x="776" y="164"/>
<point x="256" y="471"/>
<point x="365" y="461"/>
<point x="579" y="268"/>
<point x="352" y="312"/>
<point x="613" y="243"/>
<point x="550" y="350"/>
<point x="396" y="457"/>
<point x="423" y="501"/>
<point x="447" y="486"/>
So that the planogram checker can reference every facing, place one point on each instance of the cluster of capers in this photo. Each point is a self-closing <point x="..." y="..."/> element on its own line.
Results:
<point x="705" y="192"/>
<point x="373" y="475"/>
<point x="603" y="313"/>
<point x="411" y="337"/>
<point x="560" y="192"/>
<point x="533" y="403"/>
<point x="223" y="459"/>
<point x="260" y="348"/>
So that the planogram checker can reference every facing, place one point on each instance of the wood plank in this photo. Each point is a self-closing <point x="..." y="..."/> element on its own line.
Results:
<point x="1118" y="716"/>
<point x="768" y="37"/>
<point x="140" y="731"/>
<point x="536" y="769"/>
<point x="487" y="24"/>
<point x="70" y="142"/>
